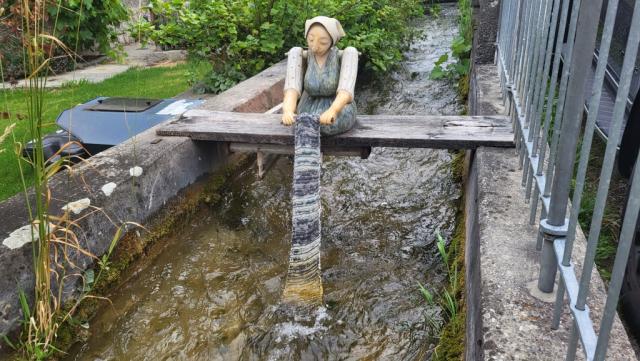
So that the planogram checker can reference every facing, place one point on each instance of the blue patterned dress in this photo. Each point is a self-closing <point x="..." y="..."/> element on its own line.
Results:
<point x="320" y="88"/>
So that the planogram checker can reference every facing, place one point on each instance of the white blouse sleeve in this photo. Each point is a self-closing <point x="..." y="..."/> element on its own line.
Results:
<point x="295" y="74"/>
<point x="348" y="70"/>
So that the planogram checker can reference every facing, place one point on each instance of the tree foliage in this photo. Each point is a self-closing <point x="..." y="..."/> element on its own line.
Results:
<point x="241" y="37"/>
<point x="78" y="24"/>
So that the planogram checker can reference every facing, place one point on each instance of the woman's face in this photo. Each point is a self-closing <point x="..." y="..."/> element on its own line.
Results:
<point x="319" y="40"/>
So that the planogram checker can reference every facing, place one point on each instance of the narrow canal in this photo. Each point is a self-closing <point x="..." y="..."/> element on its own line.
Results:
<point x="214" y="291"/>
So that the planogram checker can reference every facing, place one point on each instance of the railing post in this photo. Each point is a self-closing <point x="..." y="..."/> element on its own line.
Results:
<point x="584" y="45"/>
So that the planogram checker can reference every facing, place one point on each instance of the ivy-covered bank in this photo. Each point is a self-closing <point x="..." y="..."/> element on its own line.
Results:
<point x="242" y="37"/>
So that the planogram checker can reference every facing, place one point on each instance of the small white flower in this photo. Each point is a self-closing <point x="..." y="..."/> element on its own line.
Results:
<point x="78" y="206"/>
<point x="108" y="188"/>
<point x="135" y="171"/>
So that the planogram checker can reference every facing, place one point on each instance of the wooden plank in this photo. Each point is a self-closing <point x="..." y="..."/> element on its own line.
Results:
<point x="406" y="131"/>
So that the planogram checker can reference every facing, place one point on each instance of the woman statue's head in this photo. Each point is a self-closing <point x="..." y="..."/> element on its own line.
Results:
<point x="322" y="33"/>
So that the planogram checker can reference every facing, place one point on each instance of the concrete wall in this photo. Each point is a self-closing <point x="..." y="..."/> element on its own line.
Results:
<point x="486" y="15"/>
<point x="169" y="164"/>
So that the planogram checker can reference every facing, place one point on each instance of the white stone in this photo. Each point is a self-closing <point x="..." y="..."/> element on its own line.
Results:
<point x="135" y="171"/>
<point x="78" y="206"/>
<point x="108" y="188"/>
<point x="20" y="237"/>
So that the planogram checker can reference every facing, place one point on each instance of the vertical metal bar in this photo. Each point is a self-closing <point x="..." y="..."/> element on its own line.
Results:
<point x="521" y="44"/>
<point x="628" y="230"/>
<point x="585" y="41"/>
<point x="530" y="86"/>
<point x="610" y="153"/>
<point x="534" y="205"/>
<point x="594" y="108"/>
<point x="525" y="170"/>
<point x="536" y="68"/>
<point x="573" y="342"/>
<point x="539" y="148"/>
<point x="529" y="183"/>
<point x="524" y="42"/>
<point x="531" y="60"/>
<point x="552" y="89"/>
<point x="526" y="51"/>
<point x="515" y="41"/>
<point x="507" y="30"/>
<point x="559" y="119"/>
<point x="543" y="215"/>
<point x="557" y="310"/>
<point x="543" y="79"/>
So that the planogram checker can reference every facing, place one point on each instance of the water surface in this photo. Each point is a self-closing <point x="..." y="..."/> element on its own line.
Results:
<point x="214" y="291"/>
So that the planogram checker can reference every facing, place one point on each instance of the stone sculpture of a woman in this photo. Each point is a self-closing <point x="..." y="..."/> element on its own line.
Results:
<point x="319" y="86"/>
<point x="322" y="78"/>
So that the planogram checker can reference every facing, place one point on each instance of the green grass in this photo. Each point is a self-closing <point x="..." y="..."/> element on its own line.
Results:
<point x="160" y="82"/>
<point x="609" y="234"/>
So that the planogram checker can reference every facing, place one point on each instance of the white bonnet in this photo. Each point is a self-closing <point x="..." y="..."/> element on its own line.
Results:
<point x="333" y="26"/>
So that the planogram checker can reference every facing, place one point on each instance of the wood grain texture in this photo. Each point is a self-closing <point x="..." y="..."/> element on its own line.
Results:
<point x="398" y="131"/>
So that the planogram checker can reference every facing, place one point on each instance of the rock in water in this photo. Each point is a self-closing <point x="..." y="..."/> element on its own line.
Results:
<point x="303" y="279"/>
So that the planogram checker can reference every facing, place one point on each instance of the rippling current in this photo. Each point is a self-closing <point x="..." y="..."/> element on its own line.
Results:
<point x="213" y="292"/>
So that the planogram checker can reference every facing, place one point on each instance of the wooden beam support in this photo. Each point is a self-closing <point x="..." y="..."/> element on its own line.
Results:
<point x="362" y="152"/>
<point x="404" y="131"/>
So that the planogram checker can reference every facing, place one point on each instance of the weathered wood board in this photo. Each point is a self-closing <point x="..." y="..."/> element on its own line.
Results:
<point x="406" y="131"/>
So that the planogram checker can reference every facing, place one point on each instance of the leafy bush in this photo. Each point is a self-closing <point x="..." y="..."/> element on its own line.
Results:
<point x="78" y="24"/>
<point x="242" y="37"/>
<point x="88" y="24"/>
<point x="460" y="51"/>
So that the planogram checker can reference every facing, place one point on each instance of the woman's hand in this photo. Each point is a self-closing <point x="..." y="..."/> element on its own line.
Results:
<point x="289" y="105"/>
<point x="288" y="118"/>
<point x="328" y="117"/>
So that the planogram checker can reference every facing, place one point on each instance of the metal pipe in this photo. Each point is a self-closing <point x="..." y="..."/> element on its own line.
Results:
<point x="587" y="139"/>
<point x="585" y="41"/>
<point x="559" y="119"/>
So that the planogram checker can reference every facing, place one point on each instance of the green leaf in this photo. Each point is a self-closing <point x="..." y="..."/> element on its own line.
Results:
<point x="437" y="73"/>
<point x="442" y="59"/>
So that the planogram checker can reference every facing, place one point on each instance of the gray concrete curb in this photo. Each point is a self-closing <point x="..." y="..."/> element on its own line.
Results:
<point x="515" y="318"/>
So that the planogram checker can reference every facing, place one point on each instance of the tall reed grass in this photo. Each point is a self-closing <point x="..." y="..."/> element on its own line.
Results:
<point x="56" y="246"/>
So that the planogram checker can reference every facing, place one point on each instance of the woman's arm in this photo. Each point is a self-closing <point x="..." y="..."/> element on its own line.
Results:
<point x="346" y="86"/>
<point x="292" y="85"/>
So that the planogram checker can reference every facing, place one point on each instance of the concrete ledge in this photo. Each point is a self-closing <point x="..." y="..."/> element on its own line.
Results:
<point x="168" y="165"/>
<point x="502" y="261"/>
<point x="473" y="335"/>
<point x="516" y="317"/>
<point x="486" y="14"/>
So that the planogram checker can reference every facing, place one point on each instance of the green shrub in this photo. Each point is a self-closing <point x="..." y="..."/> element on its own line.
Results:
<point x="459" y="69"/>
<point x="88" y="24"/>
<point x="78" y="24"/>
<point x="241" y="38"/>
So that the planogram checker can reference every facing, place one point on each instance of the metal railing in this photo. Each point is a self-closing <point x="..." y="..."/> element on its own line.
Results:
<point x="531" y="37"/>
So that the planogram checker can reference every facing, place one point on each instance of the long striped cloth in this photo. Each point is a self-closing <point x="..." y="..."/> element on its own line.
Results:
<point x="303" y="282"/>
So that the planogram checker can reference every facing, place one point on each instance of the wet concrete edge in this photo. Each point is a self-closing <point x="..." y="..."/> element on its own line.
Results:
<point x="169" y="164"/>
<point x="515" y="322"/>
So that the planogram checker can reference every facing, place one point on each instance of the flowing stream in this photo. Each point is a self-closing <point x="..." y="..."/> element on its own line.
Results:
<point x="214" y="291"/>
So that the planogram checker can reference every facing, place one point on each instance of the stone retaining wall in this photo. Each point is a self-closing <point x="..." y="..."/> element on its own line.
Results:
<point x="168" y="165"/>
